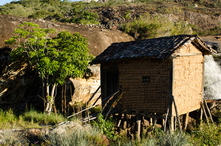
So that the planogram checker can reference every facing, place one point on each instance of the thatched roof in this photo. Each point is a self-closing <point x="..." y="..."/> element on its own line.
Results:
<point x="159" y="48"/>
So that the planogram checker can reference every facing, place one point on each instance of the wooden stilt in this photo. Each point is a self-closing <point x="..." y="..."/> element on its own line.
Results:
<point x="186" y="120"/>
<point x="125" y="121"/>
<point x="201" y="114"/>
<point x="138" y="127"/>
<point x="154" y="122"/>
<point x="201" y="118"/>
<point x="168" y="109"/>
<point x="177" y="115"/>
<point x="204" y="111"/>
<point x="163" y="122"/>
<point x="119" y="120"/>
<point x="208" y="110"/>
<point x="151" y="121"/>
<point x="142" y="127"/>
<point x="171" y="123"/>
<point x="171" y="119"/>
<point x="175" y="123"/>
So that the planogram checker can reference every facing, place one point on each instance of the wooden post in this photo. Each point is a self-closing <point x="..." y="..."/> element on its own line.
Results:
<point x="138" y="127"/>
<point x="204" y="111"/>
<point x="171" y="120"/>
<point x="154" y="122"/>
<point x="163" y="122"/>
<point x="208" y="110"/>
<point x="142" y="125"/>
<point x="177" y="115"/>
<point x="186" y="120"/>
<point x="168" y="109"/>
<point x="201" y="114"/>
<point x="201" y="117"/>
<point x="151" y="121"/>
<point x="119" y="120"/>
<point x="125" y="121"/>
<point x="175" y="123"/>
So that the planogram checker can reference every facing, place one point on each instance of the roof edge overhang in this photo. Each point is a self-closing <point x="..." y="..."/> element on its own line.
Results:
<point x="202" y="46"/>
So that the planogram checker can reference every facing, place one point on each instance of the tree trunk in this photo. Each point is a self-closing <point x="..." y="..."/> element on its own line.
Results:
<point x="51" y="99"/>
<point x="47" y="96"/>
<point x="43" y="92"/>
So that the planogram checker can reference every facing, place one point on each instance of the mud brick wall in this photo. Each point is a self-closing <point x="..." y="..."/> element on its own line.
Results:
<point x="146" y="83"/>
<point x="188" y="79"/>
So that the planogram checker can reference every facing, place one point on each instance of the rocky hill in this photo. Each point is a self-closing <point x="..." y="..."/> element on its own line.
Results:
<point x="98" y="38"/>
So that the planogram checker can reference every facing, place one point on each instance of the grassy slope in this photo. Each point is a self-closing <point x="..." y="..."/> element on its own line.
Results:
<point x="86" y="13"/>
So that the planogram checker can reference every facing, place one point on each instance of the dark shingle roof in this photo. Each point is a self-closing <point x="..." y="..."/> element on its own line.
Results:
<point x="159" y="48"/>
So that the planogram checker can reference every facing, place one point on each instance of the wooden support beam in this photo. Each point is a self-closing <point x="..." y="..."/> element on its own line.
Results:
<point x="151" y="121"/>
<point x="168" y="109"/>
<point x="177" y="114"/>
<point x="208" y="110"/>
<point x="163" y="122"/>
<point x="119" y="120"/>
<point x="154" y="122"/>
<point x="175" y="122"/>
<point x="125" y="121"/>
<point x="201" y="114"/>
<point x="171" y="119"/>
<point x="171" y="123"/>
<point x="204" y="111"/>
<point x="186" y="120"/>
<point x="138" y="127"/>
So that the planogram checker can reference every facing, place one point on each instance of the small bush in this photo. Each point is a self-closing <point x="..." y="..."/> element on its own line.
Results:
<point x="40" y="14"/>
<point x="89" y="136"/>
<point x="81" y="16"/>
<point x="157" y="26"/>
<point x="106" y="127"/>
<point x="96" y="109"/>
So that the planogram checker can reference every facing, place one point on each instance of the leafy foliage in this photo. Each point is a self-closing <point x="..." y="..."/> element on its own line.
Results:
<point x="208" y="134"/>
<point x="66" y="55"/>
<point x="106" y="127"/>
<point x="63" y="56"/>
<point x="150" y="27"/>
<point x="81" y="16"/>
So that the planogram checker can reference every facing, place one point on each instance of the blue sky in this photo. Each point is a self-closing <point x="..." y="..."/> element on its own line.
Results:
<point x="3" y="2"/>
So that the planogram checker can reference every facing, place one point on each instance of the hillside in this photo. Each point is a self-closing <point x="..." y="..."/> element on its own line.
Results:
<point x="98" y="38"/>
<point x="138" y="18"/>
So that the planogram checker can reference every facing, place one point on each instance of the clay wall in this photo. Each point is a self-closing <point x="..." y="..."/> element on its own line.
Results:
<point x="188" y="79"/>
<point x="146" y="85"/>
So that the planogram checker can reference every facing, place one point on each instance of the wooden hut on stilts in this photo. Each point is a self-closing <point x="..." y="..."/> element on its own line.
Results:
<point x="159" y="78"/>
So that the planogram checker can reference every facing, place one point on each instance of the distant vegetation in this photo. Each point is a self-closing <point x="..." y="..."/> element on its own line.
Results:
<point x="151" y="27"/>
<point x="140" y="27"/>
<point x="54" y="10"/>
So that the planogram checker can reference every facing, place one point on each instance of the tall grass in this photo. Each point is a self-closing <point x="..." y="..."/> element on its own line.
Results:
<point x="42" y="118"/>
<point x="31" y="118"/>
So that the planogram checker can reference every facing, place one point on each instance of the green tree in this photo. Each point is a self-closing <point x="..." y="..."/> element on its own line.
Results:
<point x="56" y="59"/>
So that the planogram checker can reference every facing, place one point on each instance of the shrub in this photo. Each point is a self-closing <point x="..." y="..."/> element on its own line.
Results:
<point x="81" y="16"/>
<point x="40" y="14"/>
<point x="106" y="127"/>
<point x="89" y="136"/>
<point x="150" y="27"/>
